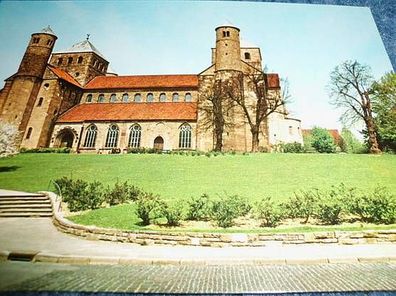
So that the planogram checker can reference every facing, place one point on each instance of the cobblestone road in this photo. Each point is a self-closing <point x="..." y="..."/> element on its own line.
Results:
<point x="18" y="276"/>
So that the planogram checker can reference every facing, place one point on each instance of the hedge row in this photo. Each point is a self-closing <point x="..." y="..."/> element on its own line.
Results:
<point x="331" y="207"/>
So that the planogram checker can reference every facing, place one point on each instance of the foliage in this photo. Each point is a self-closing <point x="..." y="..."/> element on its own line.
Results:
<point x="377" y="206"/>
<point x="322" y="140"/>
<point x="46" y="150"/>
<point x="384" y="107"/>
<point x="172" y="212"/>
<point x="350" y="143"/>
<point x="146" y="205"/>
<point x="294" y="147"/>
<point x="268" y="212"/>
<point x="141" y="150"/>
<point x="331" y="204"/>
<point x="302" y="205"/>
<point x="121" y="193"/>
<point x="227" y="208"/>
<point x="8" y="139"/>
<point x="199" y="208"/>
<point x="308" y="148"/>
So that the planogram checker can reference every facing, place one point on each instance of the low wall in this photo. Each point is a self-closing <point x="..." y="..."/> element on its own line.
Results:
<point x="216" y="239"/>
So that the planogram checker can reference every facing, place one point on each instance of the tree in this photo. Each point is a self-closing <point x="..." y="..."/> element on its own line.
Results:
<point x="8" y="139"/>
<point x="350" y="143"/>
<point x="350" y="86"/>
<point x="322" y="141"/>
<point x="384" y="107"/>
<point x="257" y="104"/>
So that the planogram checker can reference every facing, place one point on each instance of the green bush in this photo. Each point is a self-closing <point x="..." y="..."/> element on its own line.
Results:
<point x="172" y="212"/>
<point x="227" y="208"/>
<point x="268" y="212"/>
<point x="64" y="184"/>
<point x="121" y="193"/>
<point x="294" y="147"/>
<point x="146" y="205"/>
<point x="46" y="150"/>
<point x="302" y="205"/>
<point x="199" y="208"/>
<point x="322" y="141"/>
<point x="378" y="206"/>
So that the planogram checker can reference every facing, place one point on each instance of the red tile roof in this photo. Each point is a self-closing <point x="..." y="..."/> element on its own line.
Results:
<point x="64" y="75"/>
<point x="273" y="80"/>
<point x="130" y="111"/>
<point x="333" y="133"/>
<point x="143" y="81"/>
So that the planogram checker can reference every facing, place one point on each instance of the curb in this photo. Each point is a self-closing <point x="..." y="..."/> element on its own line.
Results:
<point x="43" y="257"/>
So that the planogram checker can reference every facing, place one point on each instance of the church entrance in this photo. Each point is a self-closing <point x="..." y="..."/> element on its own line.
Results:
<point x="64" y="139"/>
<point x="159" y="143"/>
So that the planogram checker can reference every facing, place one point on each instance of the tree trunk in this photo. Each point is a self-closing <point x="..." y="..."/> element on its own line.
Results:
<point x="255" y="139"/>
<point x="372" y="136"/>
<point x="218" y="138"/>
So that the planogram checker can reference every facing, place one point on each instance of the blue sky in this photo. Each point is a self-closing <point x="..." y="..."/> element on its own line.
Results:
<point x="300" y="42"/>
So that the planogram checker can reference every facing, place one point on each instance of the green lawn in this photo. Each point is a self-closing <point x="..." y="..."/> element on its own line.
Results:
<point x="179" y="177"/>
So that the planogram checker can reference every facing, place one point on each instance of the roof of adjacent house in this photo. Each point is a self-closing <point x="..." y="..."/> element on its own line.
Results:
<point x="143" y="81"/>
<point x="171" y="111"/>
<point x="64" y="75"/>
<point x="333" y="133"/>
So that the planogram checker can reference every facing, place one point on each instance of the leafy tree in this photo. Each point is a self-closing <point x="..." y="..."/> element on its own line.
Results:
<point x="384" y="107"/>
<point x="350" y="143"/>
<point x="8" y="139"/>
<point x="322" y="141"/>
<point x="350" y="87"/>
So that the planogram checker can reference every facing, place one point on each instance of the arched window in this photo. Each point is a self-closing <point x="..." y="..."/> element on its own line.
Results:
<point x="247" y="56"/>
<point x="112" y="136"/>
<point x="95" y="63"/>
<point x="89" y="98"/>
<point x="137" y="98"/>
<point x="90" y="136"/>
<point x="162" y="97"/>
<point x="135" y="133"/>
<point x="175" y="97"/>
<point x="185" y="136"/>
<point x="125" y="98"/>
<point x="188" y="97"/>
<point x="101" y="98"/>
<point x="40" y="102"/>
<point x="80" y="59"/>
<point x="150" y="97"/>
<point x="29" y="133"/>
<point x="113" y="98"/>
<point x="69" y="60"/>
<point x="60" y="60"/>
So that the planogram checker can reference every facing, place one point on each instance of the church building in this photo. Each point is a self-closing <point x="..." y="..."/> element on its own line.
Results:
<point x="72" y="98"/>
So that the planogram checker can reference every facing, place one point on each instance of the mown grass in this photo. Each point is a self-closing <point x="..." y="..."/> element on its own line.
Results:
<point x="176" y="177"/>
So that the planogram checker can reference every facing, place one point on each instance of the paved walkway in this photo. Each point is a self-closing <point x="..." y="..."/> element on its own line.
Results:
<point x="39" y="237"/>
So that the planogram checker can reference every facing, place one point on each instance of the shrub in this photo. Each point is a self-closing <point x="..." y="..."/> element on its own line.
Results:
<point x="64" y="184"/>
<point x="294" y="147"/>
<point x="322" y="140"/>
<point x="378" y="206"/>
<point x="302" y="204"/>
<point x="172" y="212"/>
<point x="199" y="208"/>
<point x="227" y="208"/>
<point x="121" y="193"/>
<point x="269" y="213"/>
<point x="46" y="150"/>
<point x="146" y="204"/>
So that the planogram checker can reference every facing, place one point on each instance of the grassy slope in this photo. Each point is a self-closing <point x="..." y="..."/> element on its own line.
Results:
<point x="175" y="176"/>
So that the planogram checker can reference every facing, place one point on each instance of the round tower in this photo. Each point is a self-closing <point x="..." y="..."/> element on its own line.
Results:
<point x="37" y="53"/>
<point x="228" y="50"/>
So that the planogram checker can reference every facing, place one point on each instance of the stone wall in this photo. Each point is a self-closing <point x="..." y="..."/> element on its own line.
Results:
<point x="217" y="239"/>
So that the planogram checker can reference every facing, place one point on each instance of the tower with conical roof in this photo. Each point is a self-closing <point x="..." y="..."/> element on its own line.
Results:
<point x="82" y="61"/>
<point x="24" y="85"/>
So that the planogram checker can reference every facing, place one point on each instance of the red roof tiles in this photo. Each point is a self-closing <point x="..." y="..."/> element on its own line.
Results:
<point x="143" y="81"/>
<point x="64" y="75"/>
<point x="130" y="111"/>
<point x="273" y="80"/>
<point x="333" y="133"/>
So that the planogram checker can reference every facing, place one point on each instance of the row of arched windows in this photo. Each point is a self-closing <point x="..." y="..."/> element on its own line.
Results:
<point x="70" y="60"/>
<point x="138" y="98"/>
<point x="135" y="135"/>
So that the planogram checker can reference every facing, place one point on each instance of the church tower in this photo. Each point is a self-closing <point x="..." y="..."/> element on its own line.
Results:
<point x="228" y="49"/>
<point x="22" y="93"/>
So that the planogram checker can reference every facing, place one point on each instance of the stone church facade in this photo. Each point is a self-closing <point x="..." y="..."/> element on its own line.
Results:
<point x="71" y="98"/>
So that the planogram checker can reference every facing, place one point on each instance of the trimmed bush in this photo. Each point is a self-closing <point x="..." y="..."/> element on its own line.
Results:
<point x="121" y="193"/>
<point x="146" y="205"/>
<point x="46" y="150"/>
<point x="227" y="208"/>
<point x="199" y="208"/>
<point x="172" y="212"/>
<point x="302" y="204"/>
<point x="268" y="212"/>
<point x="294" y="147"/>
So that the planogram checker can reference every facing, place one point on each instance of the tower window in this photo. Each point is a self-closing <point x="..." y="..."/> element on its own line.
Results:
<point x="95" y="63"/>
<point x="247" y="56"/>
<point x="29" y="133"/>
<point x="40" y="102"/>
<point x="46" y="86"/>
<point x="36" y="40"/>
<point x="60" y="61"/>
<point x="80" y="59"/>
<point x="77" y="74"/>
<point x="224" y="34"/>
<point x="49" y="42"/>
<point x="69" y="60"/>
<point x="228" y="34"/>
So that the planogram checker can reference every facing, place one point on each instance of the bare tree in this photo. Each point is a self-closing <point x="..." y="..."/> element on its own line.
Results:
<point x="350" y="87"/>
<point x="250" y="91"/>
<point x="8" y="139"/>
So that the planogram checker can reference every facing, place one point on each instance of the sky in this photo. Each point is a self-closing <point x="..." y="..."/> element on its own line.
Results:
<point x="300" y="42"/>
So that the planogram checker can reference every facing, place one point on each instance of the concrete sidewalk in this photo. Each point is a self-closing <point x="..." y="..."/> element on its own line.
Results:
<point x="38" y="238"/>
